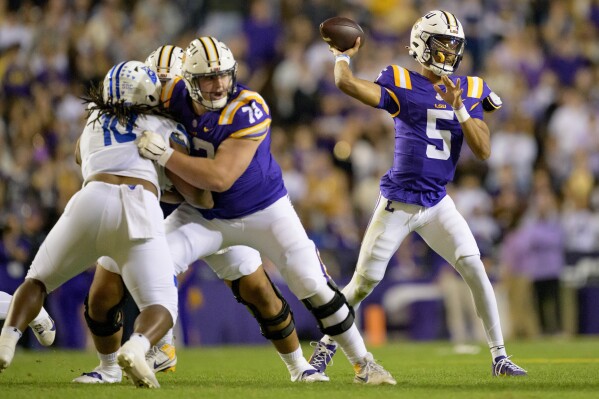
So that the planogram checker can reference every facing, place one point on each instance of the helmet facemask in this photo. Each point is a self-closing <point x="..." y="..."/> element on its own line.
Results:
<point x="195" y="83"/>
<point x="445" y="53"/>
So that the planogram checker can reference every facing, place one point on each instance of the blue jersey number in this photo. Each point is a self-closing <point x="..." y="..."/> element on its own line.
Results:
<point x="111" y="125"/>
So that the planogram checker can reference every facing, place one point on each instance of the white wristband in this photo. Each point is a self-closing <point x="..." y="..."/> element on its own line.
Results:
<point x="462" y="114"/>
<point x="166" y="155"/>
<point x="343" y="58"/>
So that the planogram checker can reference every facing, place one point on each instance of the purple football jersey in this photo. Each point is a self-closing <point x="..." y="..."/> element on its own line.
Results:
<point x="428" y="136"/>
<point x="245" y="117"/>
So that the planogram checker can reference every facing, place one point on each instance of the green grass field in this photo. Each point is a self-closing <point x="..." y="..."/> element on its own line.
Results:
<point x="557" y="369"/>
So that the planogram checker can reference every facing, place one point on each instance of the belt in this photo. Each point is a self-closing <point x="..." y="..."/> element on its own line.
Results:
<point x="129" y="181"/>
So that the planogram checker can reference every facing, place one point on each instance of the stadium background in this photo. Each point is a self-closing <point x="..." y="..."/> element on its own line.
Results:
<point x="533" y="206"/>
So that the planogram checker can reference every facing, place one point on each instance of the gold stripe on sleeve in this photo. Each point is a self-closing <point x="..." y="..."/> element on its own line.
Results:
<point x="167" y="91"/>
<point x="243" y="133"/>
<point x="401" y="77"/>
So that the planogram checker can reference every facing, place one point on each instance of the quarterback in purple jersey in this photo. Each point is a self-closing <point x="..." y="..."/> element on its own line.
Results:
<point x="229" y="132"/>
<point x="432" y="114"/>
<point x="428" y="137"/>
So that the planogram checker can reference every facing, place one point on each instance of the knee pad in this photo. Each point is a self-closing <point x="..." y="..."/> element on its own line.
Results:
<point x="266" y="323"/>
<point x="328" y="309"/>
<point x="111" y="326"/>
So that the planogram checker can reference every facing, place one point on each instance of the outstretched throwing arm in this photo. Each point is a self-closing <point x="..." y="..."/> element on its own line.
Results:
<point x="367" y="92"/>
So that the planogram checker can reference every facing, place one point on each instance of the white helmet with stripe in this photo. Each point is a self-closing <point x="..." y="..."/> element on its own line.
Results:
<point x="437" y="42"/>
<point x="167" y="62"/>
<point x="131" y="82"/>
<point x="207" y="57"/>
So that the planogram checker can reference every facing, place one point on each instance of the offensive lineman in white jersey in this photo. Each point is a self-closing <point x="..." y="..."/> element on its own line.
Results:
<point x="116" y="213"/>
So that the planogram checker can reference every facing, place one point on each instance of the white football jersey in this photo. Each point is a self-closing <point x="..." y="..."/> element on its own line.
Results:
<point x="108" y="147"/>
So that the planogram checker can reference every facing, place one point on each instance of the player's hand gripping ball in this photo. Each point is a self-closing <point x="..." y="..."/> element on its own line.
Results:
<point x="341" y="33"/>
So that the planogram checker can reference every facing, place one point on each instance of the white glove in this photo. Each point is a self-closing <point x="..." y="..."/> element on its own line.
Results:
<point x="152" y="146"/>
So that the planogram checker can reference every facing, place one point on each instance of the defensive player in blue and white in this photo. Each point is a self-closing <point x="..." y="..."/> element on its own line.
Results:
<point x="229" y="128"/>
<point x="103" y="305"/>
<point x="249" y="281"/>
<point x="116" y="213"/>
<point x="432" y="114"/>
<point x="42" y="325"/>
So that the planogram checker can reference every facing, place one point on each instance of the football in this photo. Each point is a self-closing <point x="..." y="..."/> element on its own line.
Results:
<point x="341" y="33"/>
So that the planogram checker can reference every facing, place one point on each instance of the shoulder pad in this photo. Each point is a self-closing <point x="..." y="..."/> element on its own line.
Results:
<point x="396" y="76"/>
<point x="401" y="77"/>
<point x="167" y="90"/>
<point x="475" y="86"/>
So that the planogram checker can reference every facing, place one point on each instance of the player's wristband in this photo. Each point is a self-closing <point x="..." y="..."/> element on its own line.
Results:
<point x="166" y="155"/>
<point x="462" y="114"/>
<point x="343" y="58"/>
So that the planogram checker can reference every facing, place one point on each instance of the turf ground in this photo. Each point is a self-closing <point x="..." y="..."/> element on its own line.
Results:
<point x="557" y="369"/>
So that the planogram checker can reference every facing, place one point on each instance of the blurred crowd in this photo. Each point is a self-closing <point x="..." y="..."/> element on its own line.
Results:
<point x="534" y="206"/>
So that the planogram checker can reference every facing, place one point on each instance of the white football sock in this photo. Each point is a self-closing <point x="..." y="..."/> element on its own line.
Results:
<point x="108" y="360"/>
<point x="141" y="340"/>
<point x="295" y="361"/>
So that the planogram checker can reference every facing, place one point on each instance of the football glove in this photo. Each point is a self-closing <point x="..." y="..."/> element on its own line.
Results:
<point x="152" y="146"/>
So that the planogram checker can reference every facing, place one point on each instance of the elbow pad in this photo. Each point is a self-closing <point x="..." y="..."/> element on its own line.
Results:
<point x="492" y="102"/>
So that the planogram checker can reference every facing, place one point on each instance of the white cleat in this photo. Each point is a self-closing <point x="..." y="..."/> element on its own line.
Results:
<point x="370" y="372"/>
<point x="7" y="353"/>
<point x="101" y="375"/>
<point x="162" y="359"/>
<point x="44" y="330"/>
<point x="310" y="375"/>
<point x="132" y="359"/>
